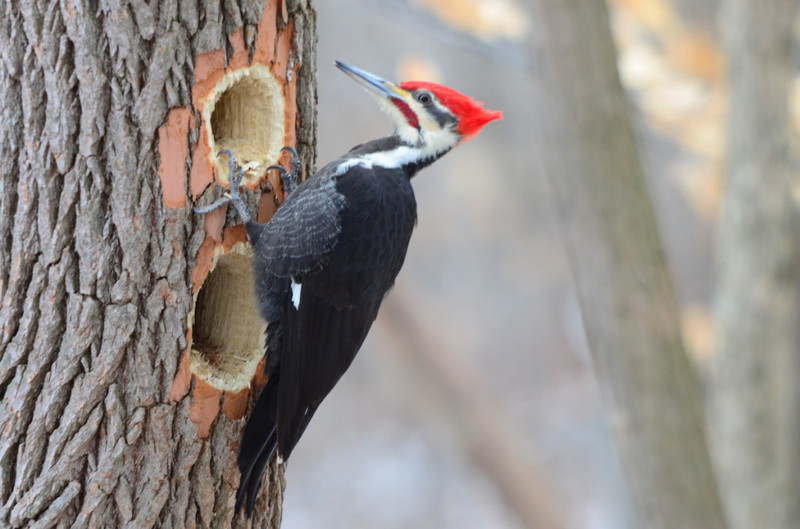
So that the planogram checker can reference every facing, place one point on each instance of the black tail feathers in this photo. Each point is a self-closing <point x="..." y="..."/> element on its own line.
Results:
<point x="258" y="446"/>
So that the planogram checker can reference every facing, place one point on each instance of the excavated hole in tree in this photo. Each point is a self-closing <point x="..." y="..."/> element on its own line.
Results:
<point x="244" y="113"/>
<point x="227" y="332"/>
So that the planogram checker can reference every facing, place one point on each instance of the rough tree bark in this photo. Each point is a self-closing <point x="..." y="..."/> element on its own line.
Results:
<point x="586" y="145"/>
<point x="754" y="416"/>
<point x="102" y="423"/>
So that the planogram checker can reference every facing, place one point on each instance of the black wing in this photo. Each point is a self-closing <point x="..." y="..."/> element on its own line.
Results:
<point x="303" y="230"/>
<point x="297" y="240"/>
<point x="339" y="302"/>
<point x="343" y="237"/>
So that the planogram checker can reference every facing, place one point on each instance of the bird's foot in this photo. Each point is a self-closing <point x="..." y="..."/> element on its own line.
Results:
<point x="235" y="176"/>
<point x="289" y="178"/>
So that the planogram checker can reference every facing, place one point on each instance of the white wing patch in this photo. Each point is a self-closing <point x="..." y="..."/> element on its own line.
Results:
<point x="296" y="287"/>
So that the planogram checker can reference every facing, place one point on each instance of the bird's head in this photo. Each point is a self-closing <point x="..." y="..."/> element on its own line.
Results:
<point x="426" y="115"/>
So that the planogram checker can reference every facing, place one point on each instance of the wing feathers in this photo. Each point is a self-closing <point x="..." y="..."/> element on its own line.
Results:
<point x="258" y="445"/>
<point x="324" y="340"/>
<point x="302" y="232"/>
<point x="343" y="236"/>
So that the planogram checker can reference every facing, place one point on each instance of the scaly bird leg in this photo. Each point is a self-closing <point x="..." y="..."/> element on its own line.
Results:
<point x="288" y="178"/>
<point x="235" y="176"/>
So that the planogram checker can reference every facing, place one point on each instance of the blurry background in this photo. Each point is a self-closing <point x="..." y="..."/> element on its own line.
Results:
<point x="474" y="392"/>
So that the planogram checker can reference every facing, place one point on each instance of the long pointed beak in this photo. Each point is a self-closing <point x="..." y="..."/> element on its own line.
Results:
<point x="372" y="82"/>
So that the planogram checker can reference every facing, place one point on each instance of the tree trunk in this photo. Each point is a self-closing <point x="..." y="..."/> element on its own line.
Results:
<point x="112" y="117"/>
<point x="651" y="394"/>
<point x="754" y="415"/>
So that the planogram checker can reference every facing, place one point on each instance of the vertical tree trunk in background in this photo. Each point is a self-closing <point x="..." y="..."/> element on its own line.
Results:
<point x="754" y="416"/>
<point x="98" y="117"/>
<point x="651" y="394"/>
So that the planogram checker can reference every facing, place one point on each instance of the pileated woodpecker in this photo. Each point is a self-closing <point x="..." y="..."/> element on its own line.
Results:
<point x="326" y="259"/>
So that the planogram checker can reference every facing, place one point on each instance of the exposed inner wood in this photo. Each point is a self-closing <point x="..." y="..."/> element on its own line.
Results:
<point x="227" y="333"/>
<point x="245" y="114"/>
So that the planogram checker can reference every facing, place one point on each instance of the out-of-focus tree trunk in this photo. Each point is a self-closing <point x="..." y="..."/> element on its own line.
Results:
<point x="585" y="142"/>
<point x="102" y="422"/>
<point x="753" y="412"/>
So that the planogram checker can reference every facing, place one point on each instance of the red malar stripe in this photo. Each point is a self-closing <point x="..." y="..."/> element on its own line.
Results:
<point x="407" y="112"/>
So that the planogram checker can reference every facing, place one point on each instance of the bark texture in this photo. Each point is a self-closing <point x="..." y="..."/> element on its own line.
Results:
<point x="651" y="393"/>
<point x="754" y="416"/>
<point x="96" y="276"/>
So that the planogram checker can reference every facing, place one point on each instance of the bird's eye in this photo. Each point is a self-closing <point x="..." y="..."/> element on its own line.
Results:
<point x="424" y="98"/>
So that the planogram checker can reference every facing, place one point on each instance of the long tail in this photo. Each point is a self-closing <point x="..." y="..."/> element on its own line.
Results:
<point x="258" y="445"/>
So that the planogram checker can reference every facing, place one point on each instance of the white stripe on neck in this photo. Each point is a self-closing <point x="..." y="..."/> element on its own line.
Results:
<point x="432" y="144"/>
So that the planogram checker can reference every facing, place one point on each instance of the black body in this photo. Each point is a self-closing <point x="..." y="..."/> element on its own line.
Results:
<point x="342" y="235"/>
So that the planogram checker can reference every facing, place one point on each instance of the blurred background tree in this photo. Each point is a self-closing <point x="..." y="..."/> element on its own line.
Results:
<point x="753" y="409"/>
<point x="587" y="149"/>
<point x="482" y="388"/>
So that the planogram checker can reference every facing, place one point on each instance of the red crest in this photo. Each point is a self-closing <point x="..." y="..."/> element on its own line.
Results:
<point x="472" y="117"/>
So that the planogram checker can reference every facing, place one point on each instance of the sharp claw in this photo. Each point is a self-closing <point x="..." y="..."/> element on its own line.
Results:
<point x="295" y="162"/>
<point x="281" y="169"/>
<point x="293" y="152"/>
<point x="235" y="176"/>
<point x="289" y="178"/>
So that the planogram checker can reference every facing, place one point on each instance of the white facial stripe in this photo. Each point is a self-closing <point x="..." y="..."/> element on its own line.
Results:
<point x="408" y="133"/>
<point x="441" y="108"/>
<point x="423" y="143"/>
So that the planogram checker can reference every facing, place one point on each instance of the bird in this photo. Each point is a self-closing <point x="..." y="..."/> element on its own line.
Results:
<point x="331" y="252"/>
